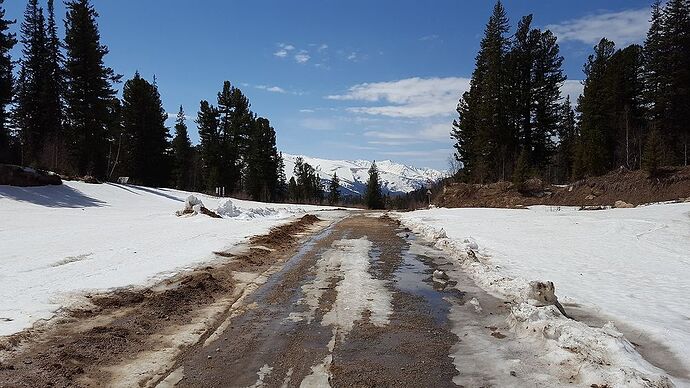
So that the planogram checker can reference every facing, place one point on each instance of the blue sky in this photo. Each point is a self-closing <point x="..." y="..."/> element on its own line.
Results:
<point x="357" y="79"/>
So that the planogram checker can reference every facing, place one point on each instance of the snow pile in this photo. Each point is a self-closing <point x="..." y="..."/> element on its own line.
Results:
<point x="630" y="265"/>
<point x="227" y="209"/>
<point x="599" y="354"/>
<point x="192" y="206"/>
<point x="61" y="241"/>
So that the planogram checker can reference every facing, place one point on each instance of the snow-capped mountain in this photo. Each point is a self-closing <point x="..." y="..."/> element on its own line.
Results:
<point x="353" y="174"/>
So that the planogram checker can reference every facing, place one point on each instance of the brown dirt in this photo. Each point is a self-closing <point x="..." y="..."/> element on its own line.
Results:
<point x="287" y="234"/>
<point x="79" y="347"/>
<point x="634" y="187"/>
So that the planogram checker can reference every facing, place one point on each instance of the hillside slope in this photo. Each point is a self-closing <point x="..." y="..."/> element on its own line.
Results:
<point x="633" y="187"/>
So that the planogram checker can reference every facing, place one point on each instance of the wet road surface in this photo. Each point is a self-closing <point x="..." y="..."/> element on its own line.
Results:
<point x="353" y="308"/>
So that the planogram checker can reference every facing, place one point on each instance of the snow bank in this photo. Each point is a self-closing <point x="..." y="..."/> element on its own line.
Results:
<point x="228" y="209"/>
<point x="63" y="240"/>
<point x="628" y="264"/>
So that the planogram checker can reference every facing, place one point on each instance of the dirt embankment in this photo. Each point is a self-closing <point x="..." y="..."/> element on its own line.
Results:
<point x="631" y="187"/>
<point x="86" y="345"/>
<point x="26" y="177"/>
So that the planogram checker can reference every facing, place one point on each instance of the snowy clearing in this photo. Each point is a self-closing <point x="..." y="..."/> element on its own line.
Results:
<point x="60" y="240"/>
<point x="630" y="266"/>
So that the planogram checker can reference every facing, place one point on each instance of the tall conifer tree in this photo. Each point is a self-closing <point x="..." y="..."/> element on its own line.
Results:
<point x="89" y="90"/>
<point x="373" y="197"/>
<point x="7" y="42"/>
<point x="29" y="113"/>
<point x="143" y="120"/>
<point x="334" y="190"/>
<point x="182" y="153"/>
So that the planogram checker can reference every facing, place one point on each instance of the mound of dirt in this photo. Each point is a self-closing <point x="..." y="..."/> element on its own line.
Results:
<point x="286" y="234"/>
<point x="26" y="177"/>
<point x="631" y="188"/>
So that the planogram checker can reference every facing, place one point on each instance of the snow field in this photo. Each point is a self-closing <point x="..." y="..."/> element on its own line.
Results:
<point x="60" y="241"/>
<point x="628" y="265"/>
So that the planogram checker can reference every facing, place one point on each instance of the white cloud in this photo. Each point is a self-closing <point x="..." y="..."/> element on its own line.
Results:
<point x="439" y="132"/>
<point x="437" y="154"/>
<point x="284" y="50"/>
<point x="572" y="88"/>
<point x="307" y="111"/>
<point x="323" y="47"/>
<point x="302" y="57"/>
<point x="624" y="27"/>
<point x="273" y="89"/>
<point x="411" y="97"/>
<point x="352" y="56"/>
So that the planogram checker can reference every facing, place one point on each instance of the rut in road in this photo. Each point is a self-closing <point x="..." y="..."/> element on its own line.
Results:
<point x="357" y="308"/>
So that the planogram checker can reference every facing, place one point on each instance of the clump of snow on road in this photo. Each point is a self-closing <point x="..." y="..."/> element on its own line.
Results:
<point x="630" y="265"/>
<point x="58" y="241"/>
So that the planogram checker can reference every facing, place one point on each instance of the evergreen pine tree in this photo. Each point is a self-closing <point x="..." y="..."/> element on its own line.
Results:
<point x="89" y="90"/>
<point x="546" y="109"/>
<point x="594" y="107"/>
<point x="282" y="180"/>
<point x="29" y="114"/>
<point x="567" y="141"/>
<point x="520" y="89"/>
<point x="235" y="127"/>
<point x="261" y="160"/>
<point x="625" y="90"/>
<point x="334" y="190"/>
<point x="653" y="156"/>
<point x="211" y="146"/>
<point x="654" y="68"/>
<point x="7" y="42"/>
<point x="373" y="197"/>
<point x="293" y="190"/>
<point x="676" y="35"/>
<point x="465" y="134"/>
<point x="522" y="169"/>
<point x="52" y="97"/>
<point x="482" y="131"/>
<point x="182" y="153"/>
<point x="143" y="121"/>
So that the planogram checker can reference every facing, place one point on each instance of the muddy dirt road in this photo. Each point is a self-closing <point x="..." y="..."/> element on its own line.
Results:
<point x="356" y="304"/>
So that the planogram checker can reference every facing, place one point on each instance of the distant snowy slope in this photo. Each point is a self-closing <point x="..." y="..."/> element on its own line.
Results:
<point x="395" y="178"/>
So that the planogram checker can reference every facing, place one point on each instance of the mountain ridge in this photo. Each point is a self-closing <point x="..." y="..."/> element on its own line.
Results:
<point x="396" y="178"/>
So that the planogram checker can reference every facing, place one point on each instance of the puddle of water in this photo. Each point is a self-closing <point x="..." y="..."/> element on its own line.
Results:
<point x="415" y="276"/>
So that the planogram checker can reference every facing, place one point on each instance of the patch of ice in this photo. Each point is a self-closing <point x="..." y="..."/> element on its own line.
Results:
<point x="263" y="372"/>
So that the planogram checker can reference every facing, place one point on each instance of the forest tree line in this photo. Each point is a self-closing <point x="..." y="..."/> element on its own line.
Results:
<point x="513" y="123"/>
<point x="59" y="111"/>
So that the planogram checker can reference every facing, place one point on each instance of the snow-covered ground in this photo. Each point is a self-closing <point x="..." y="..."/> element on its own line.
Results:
<point x="354" y="174"/>
<point x="628" y="265"/>
<point x="59" y="240"/>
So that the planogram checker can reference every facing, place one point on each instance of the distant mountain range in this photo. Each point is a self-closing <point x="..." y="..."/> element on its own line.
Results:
<point x="353" y="174"/>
